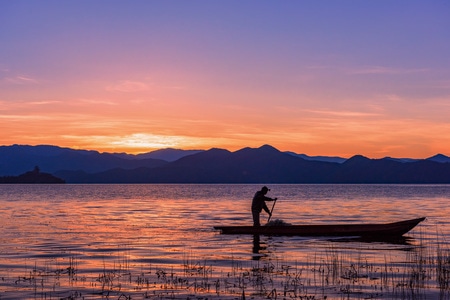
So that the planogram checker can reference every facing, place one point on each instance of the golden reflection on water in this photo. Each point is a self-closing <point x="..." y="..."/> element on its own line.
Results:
<point x="94" y="240"/>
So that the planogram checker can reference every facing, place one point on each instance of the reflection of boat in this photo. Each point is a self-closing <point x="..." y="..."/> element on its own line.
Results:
<point x="391" y="240"/>
<point x="362" y="230"/>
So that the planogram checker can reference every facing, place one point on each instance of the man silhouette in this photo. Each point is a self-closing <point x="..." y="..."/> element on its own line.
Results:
<point x="259" y="203"/>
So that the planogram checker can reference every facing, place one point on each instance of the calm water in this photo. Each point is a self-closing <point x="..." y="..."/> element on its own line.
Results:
<point x="158" y="242"/>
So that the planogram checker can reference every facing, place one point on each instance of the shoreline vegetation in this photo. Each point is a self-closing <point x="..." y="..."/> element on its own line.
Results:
<point x="35" y="176"/>
<point x="419" y="273"/>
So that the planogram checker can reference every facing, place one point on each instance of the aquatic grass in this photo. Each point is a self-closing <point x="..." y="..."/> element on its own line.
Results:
<point x="443" y="265"/>
<point x="329" y="273"/>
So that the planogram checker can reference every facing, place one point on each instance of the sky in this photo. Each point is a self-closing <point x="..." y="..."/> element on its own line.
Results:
<point x="335" y="78"/>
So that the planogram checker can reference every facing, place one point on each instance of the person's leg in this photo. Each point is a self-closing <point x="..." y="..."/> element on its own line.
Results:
<point x="255" y="214"/>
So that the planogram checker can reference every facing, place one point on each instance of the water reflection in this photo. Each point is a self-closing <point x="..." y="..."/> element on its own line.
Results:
<point x="258" y="248"/>
<point x="102" y="235"/>
<point x="401" y="241"/>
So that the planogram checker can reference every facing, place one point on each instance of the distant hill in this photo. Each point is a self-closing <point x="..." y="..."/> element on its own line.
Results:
<point x="168" y="154"/>
<point x="268" y="165"/>
<point x="335" y="159"/>
<point x="265" y="164"/>
<point x="34" y="176"/>
<point x="402" y="160"/>
<point x="17" y="159"/>
<point x="439" y="158"/>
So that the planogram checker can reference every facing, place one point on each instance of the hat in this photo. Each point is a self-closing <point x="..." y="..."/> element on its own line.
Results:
<point x="265" y="188"/>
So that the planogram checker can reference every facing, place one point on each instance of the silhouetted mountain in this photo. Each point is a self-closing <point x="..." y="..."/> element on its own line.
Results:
<point x="18" y="159"/>
<point x="439" y="158"/>
<point x="248" y="165"/>
<point x="34" y="176"/>
<point x="335" y="159"/>
<point x="359" y="169"/>
<point x="403" y="160"/>
<point x="168" y="154"/>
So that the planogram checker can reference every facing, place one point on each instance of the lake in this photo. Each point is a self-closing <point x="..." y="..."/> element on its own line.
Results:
<point x="156" y="241"/>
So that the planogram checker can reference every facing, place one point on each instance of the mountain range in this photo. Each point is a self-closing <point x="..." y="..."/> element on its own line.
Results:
<point x="265" y="164"/>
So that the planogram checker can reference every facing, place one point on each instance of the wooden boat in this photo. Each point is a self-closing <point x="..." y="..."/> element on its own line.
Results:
<point x="386" y="230"/>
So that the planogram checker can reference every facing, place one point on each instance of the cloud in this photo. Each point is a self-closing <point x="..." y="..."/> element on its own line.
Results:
<point x="128" y="86"/>
<point x="380" y="70"/>
<point x="25" y="117"/>
<point x="44" y="102"/>
<point x="97" y="101"/>
<point x="26" y="106"/>
<point x="20" y="79"/>
<point x="342" y="113"/>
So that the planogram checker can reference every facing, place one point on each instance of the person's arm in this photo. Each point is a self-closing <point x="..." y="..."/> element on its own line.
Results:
<point x="266" y="209"/>
<point x="265" y="205"/>
<point x="269" y="199"/>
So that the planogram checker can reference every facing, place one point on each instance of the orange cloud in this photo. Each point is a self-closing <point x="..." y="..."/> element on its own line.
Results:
<point x="128" y="86"/>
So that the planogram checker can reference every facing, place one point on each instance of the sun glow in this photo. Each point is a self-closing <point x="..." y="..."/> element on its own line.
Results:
<point x="140" y="142"/>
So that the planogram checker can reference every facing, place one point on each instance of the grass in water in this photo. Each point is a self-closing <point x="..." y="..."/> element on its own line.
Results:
<point x="419" y="273"/>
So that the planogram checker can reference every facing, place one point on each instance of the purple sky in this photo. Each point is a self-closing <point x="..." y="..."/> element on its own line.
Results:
<point x="314" y="77"/>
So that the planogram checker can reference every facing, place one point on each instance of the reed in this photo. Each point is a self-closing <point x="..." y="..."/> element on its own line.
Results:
<point x="331" y="273"/>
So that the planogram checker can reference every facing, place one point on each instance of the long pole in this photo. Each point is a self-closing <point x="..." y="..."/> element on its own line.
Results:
<point x="270" y="216"/>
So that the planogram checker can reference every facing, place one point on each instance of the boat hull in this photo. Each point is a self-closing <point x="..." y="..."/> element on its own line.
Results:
<point x="395" y="229"/>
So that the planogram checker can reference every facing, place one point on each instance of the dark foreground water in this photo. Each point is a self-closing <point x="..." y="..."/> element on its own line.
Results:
<point x="158" y="242"/>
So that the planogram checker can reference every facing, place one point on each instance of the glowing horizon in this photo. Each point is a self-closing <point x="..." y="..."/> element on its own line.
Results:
<point x="345" y="79"/>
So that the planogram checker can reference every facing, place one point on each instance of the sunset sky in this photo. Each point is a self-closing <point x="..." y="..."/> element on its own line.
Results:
<point x="315" y="77"/>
